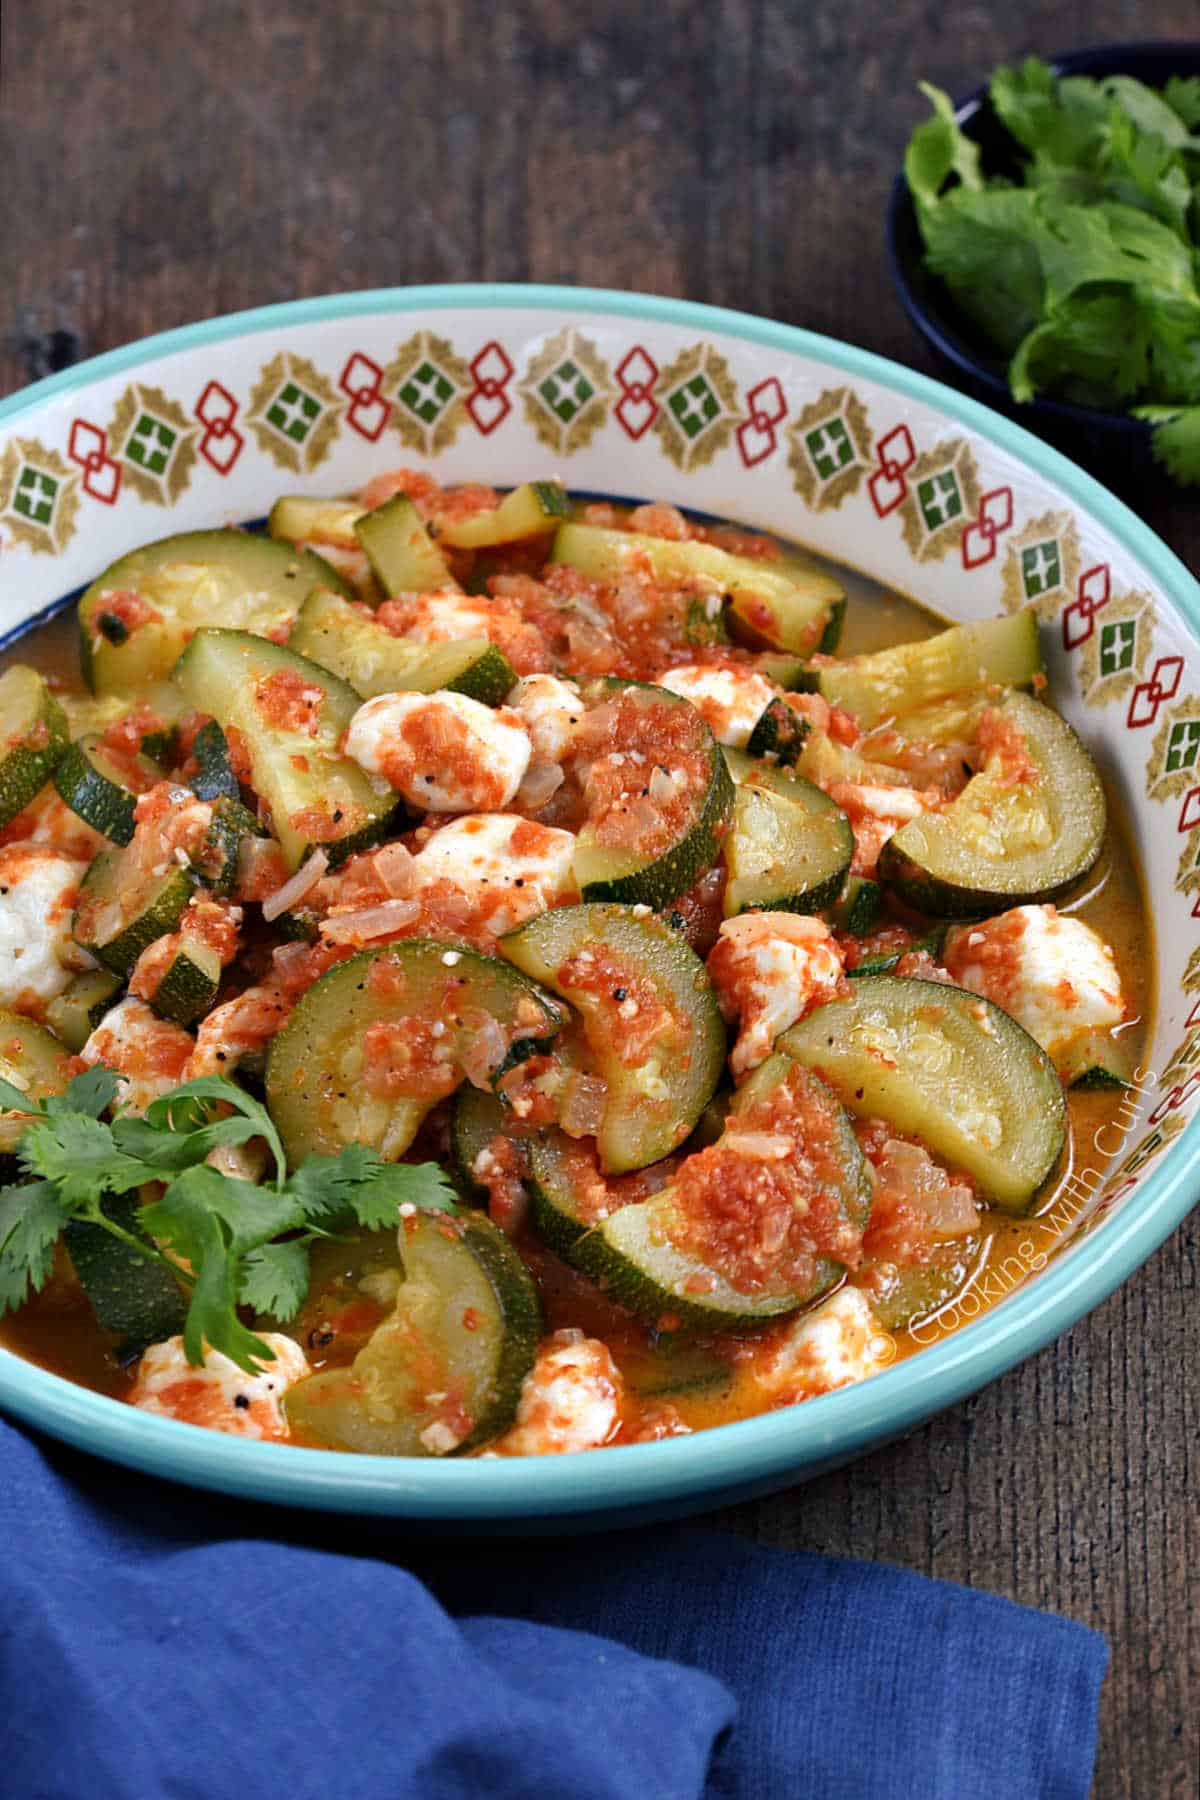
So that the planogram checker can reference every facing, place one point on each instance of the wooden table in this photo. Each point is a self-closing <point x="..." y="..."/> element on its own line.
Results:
<point x="164" y="163"/>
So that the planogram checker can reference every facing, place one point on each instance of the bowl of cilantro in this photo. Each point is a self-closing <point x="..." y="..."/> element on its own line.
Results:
<point x="1044" y="237"/>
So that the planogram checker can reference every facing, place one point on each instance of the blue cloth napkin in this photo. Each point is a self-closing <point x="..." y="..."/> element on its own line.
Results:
<point x="157" y="1643"/>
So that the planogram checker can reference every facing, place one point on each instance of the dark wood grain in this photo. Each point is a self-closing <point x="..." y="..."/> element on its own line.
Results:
<point x="163" y="163"/>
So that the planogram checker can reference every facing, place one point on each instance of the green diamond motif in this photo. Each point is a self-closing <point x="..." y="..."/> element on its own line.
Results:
<point x="427" y="392"/>
<point x="150" y="443"/>
<point x="1041" y="568"/>
<point x="34" y="495"/>
<point x="1118" y="646"/>
<point x="566" y="391"/>
<point x="830" y="447"/>
<point x="940" y="499"/>
<point x="694" y="406"/>
<point x="294" y="411"/>
<point x="1183" y="745"/>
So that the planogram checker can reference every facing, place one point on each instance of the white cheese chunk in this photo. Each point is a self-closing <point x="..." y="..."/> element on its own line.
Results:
<point x="442" y="751"/>
<point x="447" y="617"/>
<point x="550" y="710"/>
<point x="219" y="1395"/>
<point x="1053" y="974"/>
<point x="731" y="701"/>
<point x="149" y="1053"/>
<point x="571" y="1399"/>
<point x="839" y="1342"/>
<point x="769" y="969"/>
<point x="38" y="955"/>
<point x="512" y="868"/>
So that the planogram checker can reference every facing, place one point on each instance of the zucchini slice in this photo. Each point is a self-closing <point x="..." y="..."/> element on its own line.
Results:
<point x="34" y="1061"/>
<point x="217" y="859"/>
<point x="477" y="1118"/>
<point x="403" y="556"/>
<point x="187" y="581"/>
<point x="124" y="905"/>
<point x="903" y="1294"/>
<point x="858" y="906"/>
<point x="1006" y="842"/>
<point x="530" y="510"/>
<point x="380" y="1038"/>
<point x="670" y="740"/>
<point x="949" y="1068"/>
<point x="316" y="795"/>
<point x="363" y="652"/>
<point x="780" y="604"/>
<point x="1095" y="1059"/>
<point x="651" y="1256"/>
<point x="789" y="848"/>
<point x="214" y="778"/>
<point x="443" y="1374"/>
<point x="778" y="732"/>
<point x="561" y="1173"/>
<point x="189" y="982"/>
<point x="74" y="1014"/>
<point x="1003" y="652"/>
<point x="663" y="1056"/>
<point x="33" y="738"/>
<point x="102" y="789"/>
<point x="303" y="519"/>
<point x="131" y="1295"/>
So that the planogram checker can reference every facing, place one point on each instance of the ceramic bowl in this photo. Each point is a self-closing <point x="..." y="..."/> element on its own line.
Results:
<point x="1098" y="436"/>
<point x="865" y="461"/>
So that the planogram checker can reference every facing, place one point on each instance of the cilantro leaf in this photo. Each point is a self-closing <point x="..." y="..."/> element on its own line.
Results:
<point x="322" y="1186"/>
<point x="376" y="1203"/>
<point x="78" y="1154"/>
<point x="32" y="1218"/>
<point x="275" y="1279"/>
<point x="992" y="230"/>
<point x="1176" y="440"/>
<point x="1182" y="95"/>
<point x="937" y="150"/>
<point x="91" y="1092"/>
<point x="183" y="1110"/>
<point x="15" y="1099"/>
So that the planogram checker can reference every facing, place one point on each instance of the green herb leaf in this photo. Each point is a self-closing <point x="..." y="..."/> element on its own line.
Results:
<point x="376" y="1204"/>
<point x="78" y="1154"/>
<point x="1182" y="95"/>
<point x="275" y="1279"/>
<point x="32" y="1218"/>
<point x="183" y="1110"/>
<point x="937" y="150"/>
<point x="91" y="1092"/>
<point x="1176" y="440"/>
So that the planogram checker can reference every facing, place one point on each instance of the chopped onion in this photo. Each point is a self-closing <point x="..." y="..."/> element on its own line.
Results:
<point x="759" y="1146"/>
<point x="295" y="888"/>
<point x="483" y="1052"/>
<point x="542" y="781"/>
<point x="368" y="922"/>
<point x="663" y="786"/>
<point x="583" y="1106"/>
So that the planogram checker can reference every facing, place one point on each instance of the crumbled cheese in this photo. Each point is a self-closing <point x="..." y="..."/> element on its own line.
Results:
<point x="219" y="1395"/>
<point x="840" y="1342"/>
<point x="731" y="701"/>
<point x="769" y="969"/>
<point x="148" y="1053"/>
<point x="571" y="1399"/>
<point x="550" y="710"/>
<point x="38" y="955"/>
<point x="447" y="618"/>
<point x="1053" y="974"/>
<point x="512" y="868"/>
<point x="443" y="751"/>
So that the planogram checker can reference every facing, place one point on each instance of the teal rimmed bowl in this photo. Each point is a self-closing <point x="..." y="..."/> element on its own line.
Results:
<point x="877" y="467"/>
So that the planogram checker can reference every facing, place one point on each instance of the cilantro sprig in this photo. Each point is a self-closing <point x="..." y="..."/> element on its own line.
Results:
<point x="1081" y="259"/>
<point x="229" y="1242"/>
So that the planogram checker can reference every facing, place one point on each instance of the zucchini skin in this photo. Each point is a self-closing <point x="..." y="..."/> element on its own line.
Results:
<point x="97" y="794"/>
<point x="131" y="1295"/>
<point x="364" y="653"/>
<point x="159" y="913"/>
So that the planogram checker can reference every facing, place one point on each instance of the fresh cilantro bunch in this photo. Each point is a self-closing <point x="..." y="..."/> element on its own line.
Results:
<point x="1081" y="261"/>
<point x="228" y="1242"/>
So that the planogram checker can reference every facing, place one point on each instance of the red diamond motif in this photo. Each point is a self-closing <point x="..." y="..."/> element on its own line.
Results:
<point x="88" y="446"/>
<point x="368" y="411"/>
<point x="487" y="403"/>
<point x="222" y="443"/>
<point x="637" y="408"/>
<point x="756" y="434"/>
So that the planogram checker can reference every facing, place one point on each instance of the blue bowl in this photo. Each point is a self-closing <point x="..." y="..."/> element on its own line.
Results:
<point x="709" y="409"/>
<point x="1110" y="441"/>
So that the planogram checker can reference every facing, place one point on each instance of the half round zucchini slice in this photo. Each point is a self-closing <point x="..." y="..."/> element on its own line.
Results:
<point x="1022" y="832"/>
<point x="32" y="1059"/>
<point x="102" y="789"/>
<point x="661" y="794"/>
<point x="657" y="1256"/>
<point x="443" y="1374"/>
<point x="949" y="1068"/>
<point x="378" y="1040"/>
<point x="180" y="583"/>
<point x="790" y="846"/>
<point x="650" y="1017"/>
